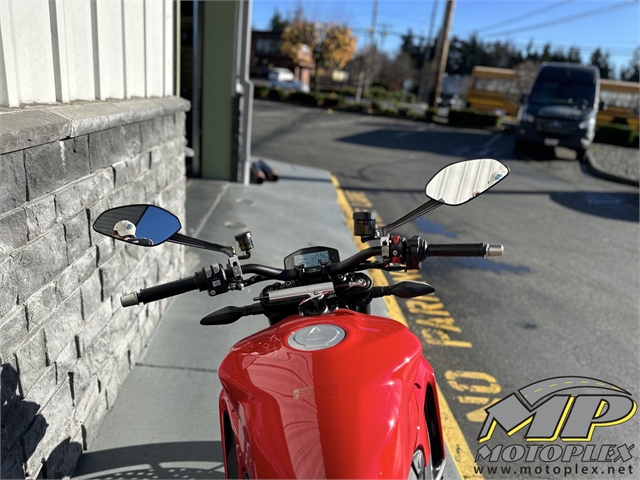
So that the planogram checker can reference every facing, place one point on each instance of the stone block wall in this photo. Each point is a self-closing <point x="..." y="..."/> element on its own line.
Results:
<point x="66" y="343"/>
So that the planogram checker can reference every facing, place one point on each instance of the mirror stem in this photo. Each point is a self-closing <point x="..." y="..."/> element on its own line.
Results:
<point x="418" y="212"/>
<point x="194" y="242"/>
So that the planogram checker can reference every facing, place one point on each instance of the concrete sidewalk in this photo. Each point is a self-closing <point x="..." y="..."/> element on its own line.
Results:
<point x="164" y="422"/>
<point x="618" y="164"/>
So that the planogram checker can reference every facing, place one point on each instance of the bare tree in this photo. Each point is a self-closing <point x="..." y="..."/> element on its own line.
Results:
<point x="525" y="74"/>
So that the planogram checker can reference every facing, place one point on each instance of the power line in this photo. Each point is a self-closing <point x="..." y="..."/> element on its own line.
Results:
<point x="567" y="19"/>
<point x="519" y="43"/>
<point x="620" y="50"/>
<point x="389" y="32"/>
<point x="520" y="17"/>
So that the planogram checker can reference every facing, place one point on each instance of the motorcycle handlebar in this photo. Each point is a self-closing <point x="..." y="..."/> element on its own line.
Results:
<point x="340" y="267"/>
<point x="464" y="250"/>
<point x="188" y="284"/>
<point x="355" y="260"/>
<point x="269" y="272"/>
<point x="159" y="292"/>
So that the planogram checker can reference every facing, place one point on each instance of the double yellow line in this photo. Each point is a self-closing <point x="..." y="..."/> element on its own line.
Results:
<point x="460" y="453"/>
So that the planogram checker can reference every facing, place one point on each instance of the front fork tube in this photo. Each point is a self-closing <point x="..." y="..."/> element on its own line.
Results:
<point x="364" y="309"/>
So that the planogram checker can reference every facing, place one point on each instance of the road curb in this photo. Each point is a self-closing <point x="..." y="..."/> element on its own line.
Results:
<point x="595" y="171"/>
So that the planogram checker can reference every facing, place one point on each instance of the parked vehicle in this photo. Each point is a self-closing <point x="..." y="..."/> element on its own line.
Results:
<point x="493" y="89"/>
<point x="622" y="102"/>
<point x="281" y="75"/>
<point x="499" y="89"/>
<point x="284" y="79"/>
<point x="290" y="85"/>
<point x="561" y="108"/>
<point x="327" y="390"/>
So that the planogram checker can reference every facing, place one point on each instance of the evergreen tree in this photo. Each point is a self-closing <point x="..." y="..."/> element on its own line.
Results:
<point x="278" y="23"/>
<point x="632" y="73"/>
<point x="601" y="60"/>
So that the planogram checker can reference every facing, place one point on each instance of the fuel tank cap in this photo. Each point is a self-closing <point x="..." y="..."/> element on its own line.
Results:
<point x="316" y="337"/>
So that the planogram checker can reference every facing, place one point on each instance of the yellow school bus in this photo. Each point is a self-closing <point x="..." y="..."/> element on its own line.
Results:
<point x="622" y="101"/>
<point x="494" y="89"/>
<point x="497" y="89"/>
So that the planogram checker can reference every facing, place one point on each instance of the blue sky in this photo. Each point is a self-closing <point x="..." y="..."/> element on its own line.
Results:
<point x="614" y="27"/>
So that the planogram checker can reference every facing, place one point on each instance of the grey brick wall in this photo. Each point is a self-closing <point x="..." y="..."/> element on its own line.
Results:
<point x="66" y="344"/>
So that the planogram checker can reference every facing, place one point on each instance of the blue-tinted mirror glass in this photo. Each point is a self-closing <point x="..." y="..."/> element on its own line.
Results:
<point x="145" y="225"/>
<point x="460" y="182"/>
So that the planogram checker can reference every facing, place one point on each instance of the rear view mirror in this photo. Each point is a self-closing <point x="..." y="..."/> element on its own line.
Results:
<point x="145" y="225"/>
<point x="460" y="182"/>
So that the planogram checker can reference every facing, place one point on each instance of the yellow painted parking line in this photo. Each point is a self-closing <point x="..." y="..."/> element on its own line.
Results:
<point x="461" y="455"/>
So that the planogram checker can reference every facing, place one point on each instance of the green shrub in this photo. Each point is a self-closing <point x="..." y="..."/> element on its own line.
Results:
<point x="617" y="134"/>
<point x="473" y="118"/>
<point x="275" y="94"/>
<point x="379" y="93"/>
<point x="415" y="114"/>
<point x="306" y="98"/>
<point x="260" y="92"/>
<point x="430" y="113"/>
<point x="333" y="100"/>
<point x="353" y="107"/>
<point x="387" y="112"/>
<point x="339" y="90"/>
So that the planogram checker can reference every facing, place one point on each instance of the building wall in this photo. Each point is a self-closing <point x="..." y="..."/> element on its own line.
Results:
<point x="66" y="343"/>
<point x="64" y="50"/>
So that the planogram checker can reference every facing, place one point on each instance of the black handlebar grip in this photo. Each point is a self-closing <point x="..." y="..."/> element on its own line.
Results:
<point x="457" y="250"/>
<point x="230" y="314"/>
<point x="170" y="289"/>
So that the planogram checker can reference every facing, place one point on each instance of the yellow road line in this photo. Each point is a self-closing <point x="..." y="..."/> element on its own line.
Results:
<point x="461" y="455"/>
<point x="376" y="275"/>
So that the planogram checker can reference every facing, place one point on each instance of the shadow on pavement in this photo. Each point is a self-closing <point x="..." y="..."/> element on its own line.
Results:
<point x="438" y="142"/>
<point x="158" y="460"/>
<point x="613" y="205"/>
<point x="490" y="265"/>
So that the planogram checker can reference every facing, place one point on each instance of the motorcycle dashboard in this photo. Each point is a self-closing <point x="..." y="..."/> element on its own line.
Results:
<point x="311" y="257"/>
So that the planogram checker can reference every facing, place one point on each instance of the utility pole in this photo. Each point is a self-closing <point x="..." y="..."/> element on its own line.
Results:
<point x="363" y="77"/>
<point x="382" y="29"/>
<point x="372" y="46"/>
<point x="427" y="53"/>
<point x="443" y="53"/>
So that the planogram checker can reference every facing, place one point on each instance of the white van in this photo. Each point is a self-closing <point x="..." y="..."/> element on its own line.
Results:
<point x="281" y="75"/>
<point x="283" y="79"/>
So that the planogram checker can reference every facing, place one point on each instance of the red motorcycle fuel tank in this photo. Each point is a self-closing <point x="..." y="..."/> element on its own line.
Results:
<point x="343" y="401"/>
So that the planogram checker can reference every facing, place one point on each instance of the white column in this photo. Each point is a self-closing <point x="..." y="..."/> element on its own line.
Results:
<point x="28" y="34"/>
<point x="134" y="38"/>
<point x="79" y="45"/>
<point x="59" y="43"/>
<point x="9" y="85"/>
<point x="168" y="47"/>
<point x="110" y="50"/>
<point x="154" y="46"/>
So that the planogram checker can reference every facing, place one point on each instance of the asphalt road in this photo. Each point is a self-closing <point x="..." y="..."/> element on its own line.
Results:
<point x="561" y="301"/>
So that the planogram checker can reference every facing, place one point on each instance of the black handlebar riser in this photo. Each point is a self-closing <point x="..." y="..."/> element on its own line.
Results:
<point x="166" y="290"/>
<point x="457" y="250"/>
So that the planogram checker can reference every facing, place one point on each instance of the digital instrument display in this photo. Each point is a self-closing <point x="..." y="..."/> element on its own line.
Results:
<point x="313" y="259"/>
